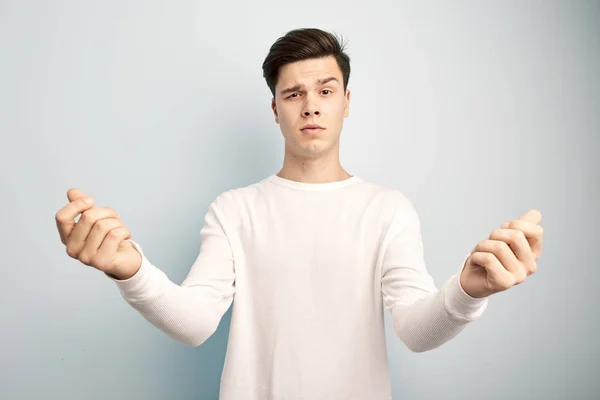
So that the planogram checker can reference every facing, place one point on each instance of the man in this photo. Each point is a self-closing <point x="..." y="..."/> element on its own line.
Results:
<point x="311" y="254"/>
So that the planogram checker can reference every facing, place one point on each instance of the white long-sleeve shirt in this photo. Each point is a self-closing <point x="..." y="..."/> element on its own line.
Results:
<point x="309" y="269"/>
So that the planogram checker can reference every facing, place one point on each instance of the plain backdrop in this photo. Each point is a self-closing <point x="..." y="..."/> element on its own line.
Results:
<point x="477" y="111"/>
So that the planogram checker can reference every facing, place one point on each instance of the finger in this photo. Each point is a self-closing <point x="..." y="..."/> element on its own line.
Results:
<point x="497" y="274"/>
<point x="532" y="216"/>
<point x="65" y="217"/>
<point x="519" y="245"/>
<point x="96" y="237"/>
<point x="530" y="229"/>
<point x="110" y="245"/>
<point x="75" y="194"/>
<point x="503" y="253"/>
<point x="533" y="232"/>
<point x="78" y="236"/>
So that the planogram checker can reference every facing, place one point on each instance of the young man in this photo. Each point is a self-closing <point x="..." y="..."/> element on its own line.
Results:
<point x="312" y="256"/>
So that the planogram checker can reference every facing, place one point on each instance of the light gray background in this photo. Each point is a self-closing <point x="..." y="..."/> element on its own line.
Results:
<point x="478" y="111"/>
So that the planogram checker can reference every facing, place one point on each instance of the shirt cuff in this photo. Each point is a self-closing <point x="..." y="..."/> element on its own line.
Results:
<point x="459" y="303"/>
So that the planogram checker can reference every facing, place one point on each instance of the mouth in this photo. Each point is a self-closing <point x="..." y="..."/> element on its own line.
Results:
<point x="312" y="129"/>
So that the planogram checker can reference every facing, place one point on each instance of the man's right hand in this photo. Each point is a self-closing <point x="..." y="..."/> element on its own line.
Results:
<point x="99" y="239"/>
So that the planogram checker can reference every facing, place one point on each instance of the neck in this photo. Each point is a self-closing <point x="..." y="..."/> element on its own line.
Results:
<point x="323" y="169"/>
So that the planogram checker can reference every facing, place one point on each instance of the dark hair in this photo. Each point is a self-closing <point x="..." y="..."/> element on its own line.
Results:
<point x="303" y="44"/>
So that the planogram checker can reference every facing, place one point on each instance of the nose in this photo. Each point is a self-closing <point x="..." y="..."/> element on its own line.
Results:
<point x="310" y="108"/>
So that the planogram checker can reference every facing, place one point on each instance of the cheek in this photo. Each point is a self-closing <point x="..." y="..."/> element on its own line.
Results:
<point x="284" y="112"/>
<point x="285" y="120"/>
<point x="336" y="107"/>
<point x="290" y="117"/>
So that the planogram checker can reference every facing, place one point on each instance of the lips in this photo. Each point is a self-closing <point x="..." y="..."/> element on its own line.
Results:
<point x="312" y="131"/>
<point x="312" y="127"/>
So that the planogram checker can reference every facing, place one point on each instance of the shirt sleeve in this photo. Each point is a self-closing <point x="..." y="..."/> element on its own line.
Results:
<point x="424" y="317"/>
<point x="192" y="311"/>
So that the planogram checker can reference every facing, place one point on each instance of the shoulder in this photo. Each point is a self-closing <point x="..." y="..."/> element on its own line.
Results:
<point x="390" y="198"/>
<point x="236" y="196"/>
<point x="230" y="205"/>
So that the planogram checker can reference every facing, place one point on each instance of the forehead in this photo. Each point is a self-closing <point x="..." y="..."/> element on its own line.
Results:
<point x="307" y="72"/>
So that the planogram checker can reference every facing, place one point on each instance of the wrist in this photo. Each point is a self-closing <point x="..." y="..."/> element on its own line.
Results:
<point x="134" y="259"/>
<point x="123" y="275"/>
<point x="467" y="290"/>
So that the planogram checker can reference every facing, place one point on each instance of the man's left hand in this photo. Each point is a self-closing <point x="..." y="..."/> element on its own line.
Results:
<point x="506" y="258"/>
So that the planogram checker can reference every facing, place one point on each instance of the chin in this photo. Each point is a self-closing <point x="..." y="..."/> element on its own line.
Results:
<point x="312" y="149"/>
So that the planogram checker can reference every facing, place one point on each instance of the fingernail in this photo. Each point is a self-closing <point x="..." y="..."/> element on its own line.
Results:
<point x="89" y="201"/>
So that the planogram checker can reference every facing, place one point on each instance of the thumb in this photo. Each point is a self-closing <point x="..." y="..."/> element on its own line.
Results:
<point x="532" y="216"/>
<point x="75" y="194"/>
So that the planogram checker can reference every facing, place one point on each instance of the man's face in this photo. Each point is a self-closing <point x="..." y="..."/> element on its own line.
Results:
<point x="311" y="92"/>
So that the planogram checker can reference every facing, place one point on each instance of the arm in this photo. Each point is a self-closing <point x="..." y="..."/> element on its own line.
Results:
<point x="192" y="311"/>
<point x="423" y="316"/>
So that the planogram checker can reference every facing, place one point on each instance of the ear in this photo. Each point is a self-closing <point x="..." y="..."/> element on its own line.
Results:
<point x="274" y="108"/>
<point x="347" y="107"/>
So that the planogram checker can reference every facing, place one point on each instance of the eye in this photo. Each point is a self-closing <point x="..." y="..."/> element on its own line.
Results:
<point x="293" y="95"/>
<point x="326" y="90"/>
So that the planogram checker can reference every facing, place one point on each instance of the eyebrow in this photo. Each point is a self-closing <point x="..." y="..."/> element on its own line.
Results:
<point x="298" y="87"/>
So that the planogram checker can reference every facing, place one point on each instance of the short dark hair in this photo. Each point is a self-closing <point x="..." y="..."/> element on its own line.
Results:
<point x="303" y="44"/>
